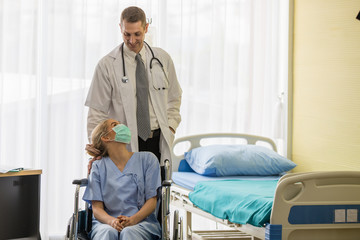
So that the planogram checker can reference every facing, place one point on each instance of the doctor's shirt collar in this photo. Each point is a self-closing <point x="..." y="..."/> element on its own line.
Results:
<point x="130" y="54"/>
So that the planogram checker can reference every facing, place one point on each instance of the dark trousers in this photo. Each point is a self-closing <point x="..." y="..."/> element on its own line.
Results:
<point x="153" y="145"/>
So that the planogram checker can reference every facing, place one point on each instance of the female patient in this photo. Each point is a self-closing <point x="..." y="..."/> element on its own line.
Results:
<point x="123" y="187"/>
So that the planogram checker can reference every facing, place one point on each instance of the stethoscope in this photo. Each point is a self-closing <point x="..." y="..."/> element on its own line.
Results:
<point x="125" y="79"/>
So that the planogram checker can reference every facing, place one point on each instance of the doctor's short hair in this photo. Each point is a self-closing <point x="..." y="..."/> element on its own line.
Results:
<point x="133" y="14"/>
<point x="100" y="130"/>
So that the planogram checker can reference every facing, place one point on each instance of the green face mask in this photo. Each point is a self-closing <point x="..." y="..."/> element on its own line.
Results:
<point x="123" y="133"/>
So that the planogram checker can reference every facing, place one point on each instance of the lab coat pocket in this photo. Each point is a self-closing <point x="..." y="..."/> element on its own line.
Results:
<point x="159" y="79"/>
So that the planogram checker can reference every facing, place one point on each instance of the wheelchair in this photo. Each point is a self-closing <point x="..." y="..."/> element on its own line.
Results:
<point x="79" y="224"/>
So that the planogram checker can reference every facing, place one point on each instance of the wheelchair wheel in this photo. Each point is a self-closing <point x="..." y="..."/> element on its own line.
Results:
<point x="68" y="228"/>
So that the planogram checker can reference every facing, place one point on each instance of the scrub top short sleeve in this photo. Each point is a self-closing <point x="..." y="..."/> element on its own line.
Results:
<point x="93" y="190"/>
<point x="152" y="177"/>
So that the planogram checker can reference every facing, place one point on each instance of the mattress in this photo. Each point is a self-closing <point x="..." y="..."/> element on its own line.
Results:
<point x="239" y="199"/>
<point x="188" y="180"/>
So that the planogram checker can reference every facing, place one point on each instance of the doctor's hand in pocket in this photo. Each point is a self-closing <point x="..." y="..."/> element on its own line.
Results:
<point x="172" y="130"/>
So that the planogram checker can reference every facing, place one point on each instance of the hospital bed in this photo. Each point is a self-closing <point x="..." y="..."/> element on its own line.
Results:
<point x="310" y="205"/>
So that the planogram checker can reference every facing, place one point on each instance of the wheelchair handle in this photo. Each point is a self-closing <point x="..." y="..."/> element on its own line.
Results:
<point x="82" y="182"/>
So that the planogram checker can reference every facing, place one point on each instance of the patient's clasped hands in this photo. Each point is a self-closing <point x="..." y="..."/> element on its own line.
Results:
<point x="115" y="223"/>
<point x="121" y="222"/>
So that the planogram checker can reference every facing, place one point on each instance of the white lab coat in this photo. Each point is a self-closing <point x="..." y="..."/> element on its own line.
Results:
<point x="116" y="99"/>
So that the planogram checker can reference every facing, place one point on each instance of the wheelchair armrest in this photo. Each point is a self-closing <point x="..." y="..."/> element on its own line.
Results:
<point x="82" y="182"/>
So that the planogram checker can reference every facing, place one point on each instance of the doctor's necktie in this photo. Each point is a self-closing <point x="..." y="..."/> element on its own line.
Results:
<point x="142" y="97"/>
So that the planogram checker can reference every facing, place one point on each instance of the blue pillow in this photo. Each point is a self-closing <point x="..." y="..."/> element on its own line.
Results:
<point x="232" y="160"/>
<point x="184" y="166"/>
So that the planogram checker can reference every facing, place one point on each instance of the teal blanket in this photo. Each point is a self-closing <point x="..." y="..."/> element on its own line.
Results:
<point x="239" y="201"/>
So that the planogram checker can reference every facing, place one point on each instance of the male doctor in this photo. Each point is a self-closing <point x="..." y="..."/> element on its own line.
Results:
<point x="114" y="94"/>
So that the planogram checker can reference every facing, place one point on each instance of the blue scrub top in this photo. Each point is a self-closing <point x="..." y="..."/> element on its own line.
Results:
<point x="124" y="193"/>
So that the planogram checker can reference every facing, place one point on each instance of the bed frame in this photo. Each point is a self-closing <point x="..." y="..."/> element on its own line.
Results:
<point x="310" y="205"/>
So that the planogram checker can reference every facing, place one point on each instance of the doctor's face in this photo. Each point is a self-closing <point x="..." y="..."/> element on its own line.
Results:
<point x="133" y="34"/>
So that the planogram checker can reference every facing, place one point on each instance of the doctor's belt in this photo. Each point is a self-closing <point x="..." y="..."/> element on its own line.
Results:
<point x="155" y="133"/>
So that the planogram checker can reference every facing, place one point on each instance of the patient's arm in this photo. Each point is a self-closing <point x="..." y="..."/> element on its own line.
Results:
<point x="104" y="217"/>
<point x="145" y="211"/>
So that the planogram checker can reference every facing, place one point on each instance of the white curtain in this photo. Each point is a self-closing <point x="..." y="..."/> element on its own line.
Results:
<point x="230" y="57"/>
<point x="232" y="64"/>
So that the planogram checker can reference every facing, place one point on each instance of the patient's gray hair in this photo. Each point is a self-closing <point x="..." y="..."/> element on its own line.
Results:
<point x="100" y="130"/>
